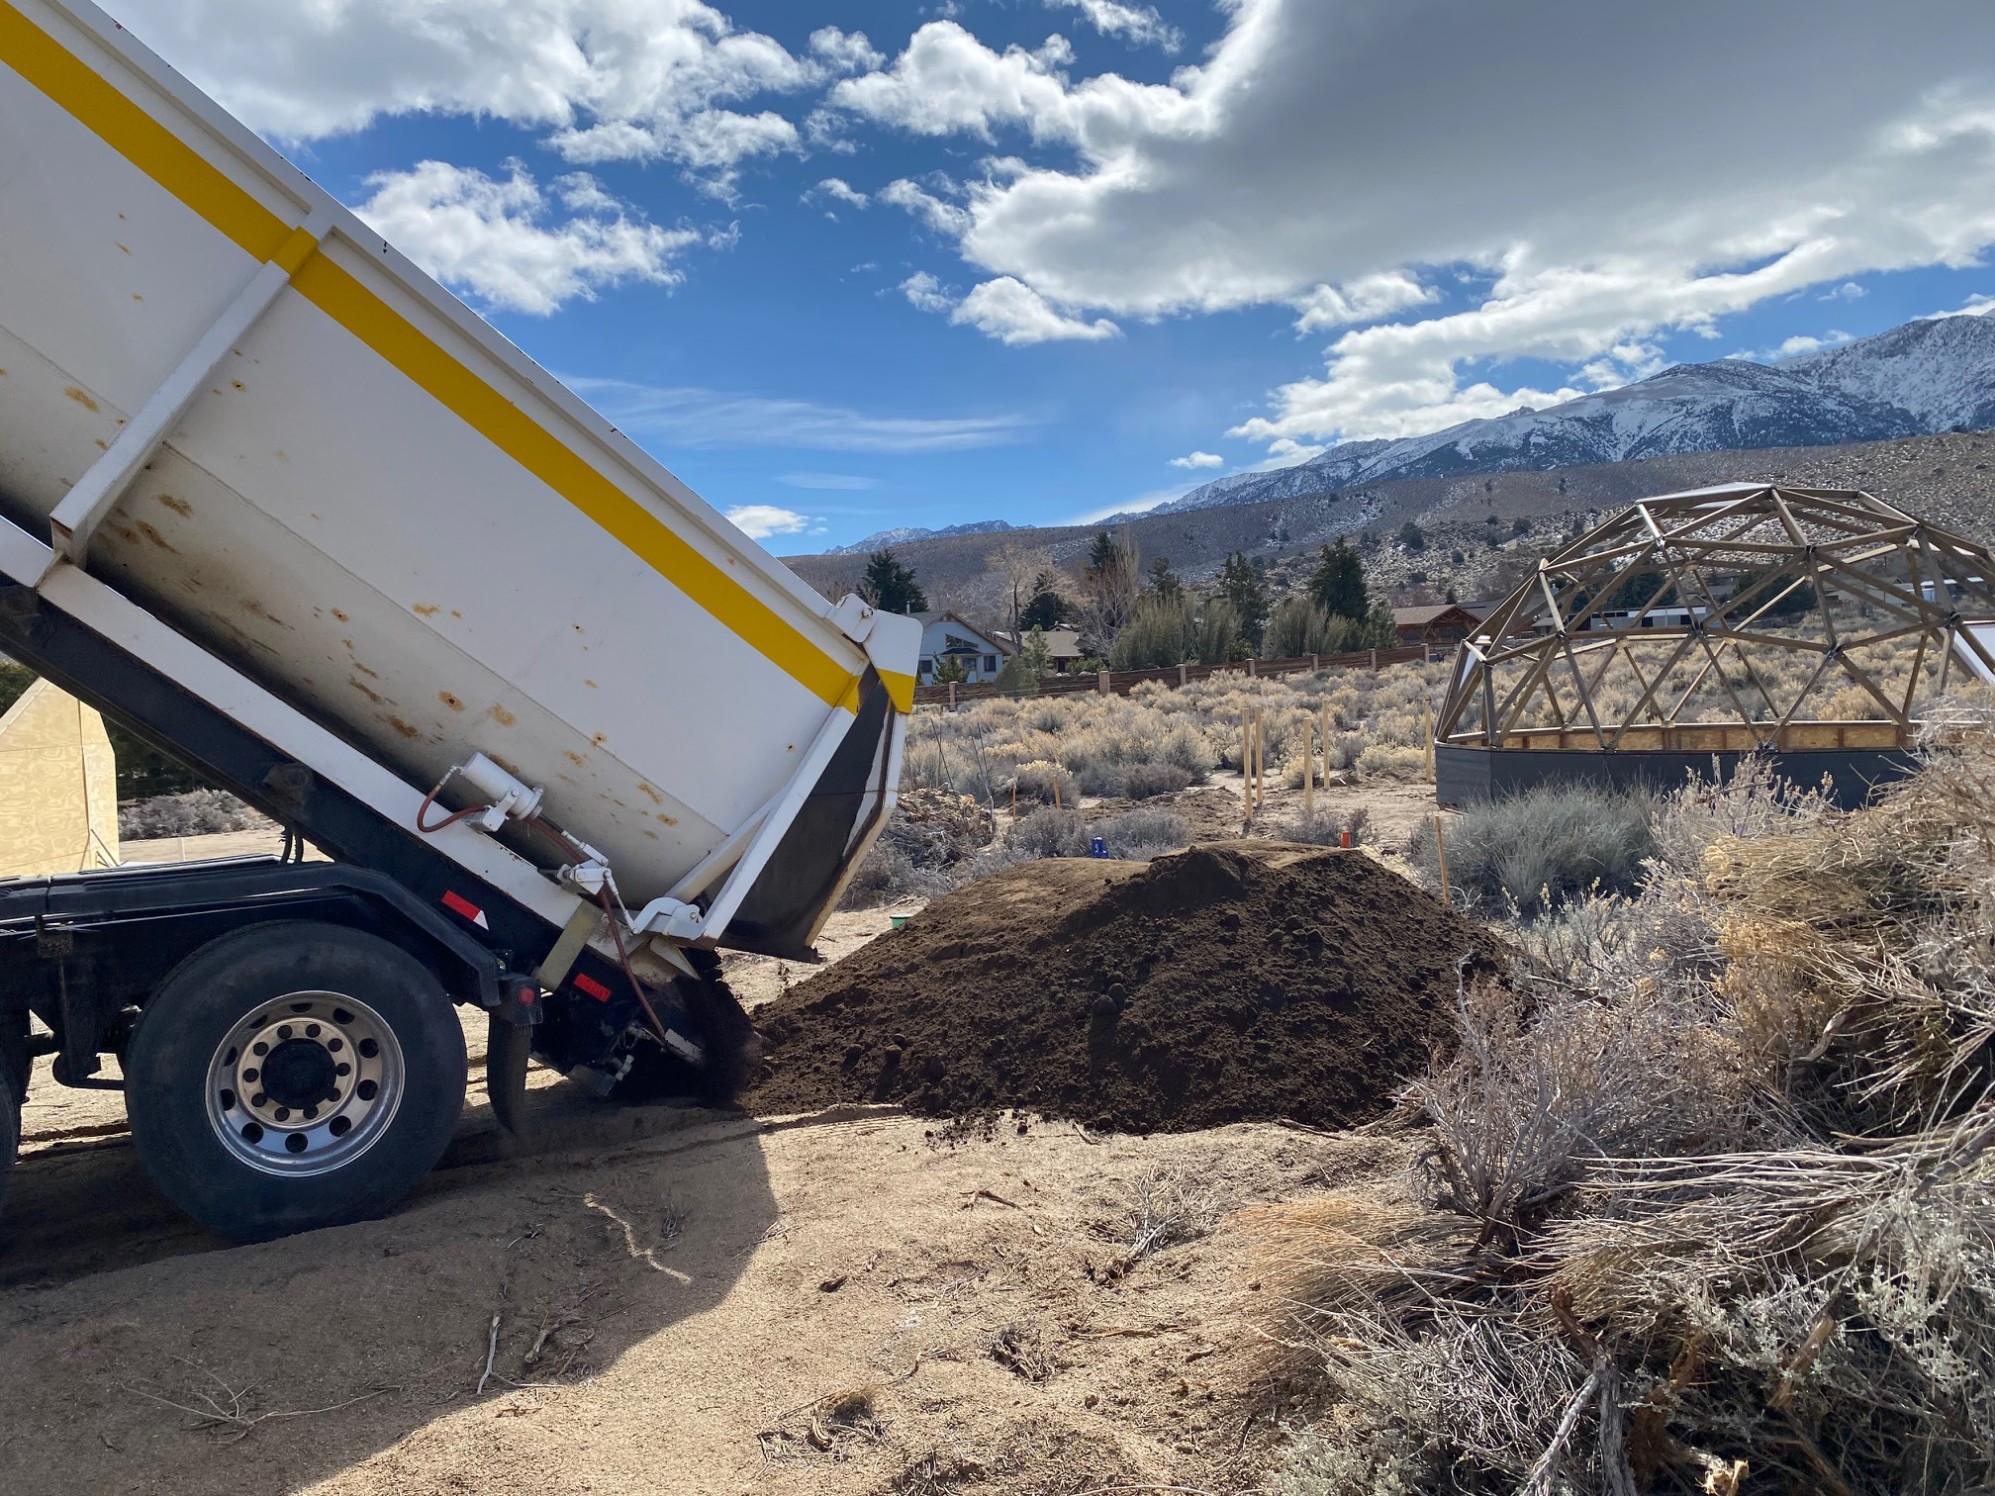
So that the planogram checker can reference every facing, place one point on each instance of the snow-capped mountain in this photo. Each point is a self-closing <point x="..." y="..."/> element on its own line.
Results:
<point x="1915" y="380"/>
<point x="901" y="535"/>
<point x="1941" y="372"/>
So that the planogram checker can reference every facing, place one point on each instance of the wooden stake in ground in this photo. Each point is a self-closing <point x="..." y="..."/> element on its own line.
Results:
<point x="1259" y="762"/>
<point x="1308" y="769"/>
<point x="1441" y="856"/>
<point x="1427" y="729"/>
<point x="1246" y="768"/>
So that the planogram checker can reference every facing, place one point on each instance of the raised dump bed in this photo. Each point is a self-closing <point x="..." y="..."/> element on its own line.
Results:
<point x="276" y="501"/>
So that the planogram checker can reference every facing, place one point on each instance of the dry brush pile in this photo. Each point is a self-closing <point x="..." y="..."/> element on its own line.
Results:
<point x="1706" y="1197"/>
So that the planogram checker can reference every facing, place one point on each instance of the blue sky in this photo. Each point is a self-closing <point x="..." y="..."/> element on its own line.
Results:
<point x="1075" y="242"/>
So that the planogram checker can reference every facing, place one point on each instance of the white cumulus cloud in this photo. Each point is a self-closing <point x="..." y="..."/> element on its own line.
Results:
<point x="607" y="79"/>
<point x="1199" y="460"/>
<point x="1140" y="25"/>
<point x="841" y="191"/>
<point x="509" y="242"/>
<point x="1580" y="167"/>
<point x="760" y="521"/>
<point x="1802" y="343"/>
<point x="1014" y="313"/>
<point x="1974" y="306"/>
<point x="925" y="292"/>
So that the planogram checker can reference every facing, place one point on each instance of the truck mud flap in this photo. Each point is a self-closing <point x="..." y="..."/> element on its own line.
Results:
<point x="507" y="1046"/>
<point x="777" y="917"/>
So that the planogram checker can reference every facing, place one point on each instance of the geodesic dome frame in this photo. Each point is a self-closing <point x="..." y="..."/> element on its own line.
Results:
<point x="1808" y="624"/>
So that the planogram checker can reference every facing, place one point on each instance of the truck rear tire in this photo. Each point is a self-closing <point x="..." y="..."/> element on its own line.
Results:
<point x="291" y="1076"/>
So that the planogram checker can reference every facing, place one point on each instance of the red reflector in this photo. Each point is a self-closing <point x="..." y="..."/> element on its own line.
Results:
<point x="456" y="903"/>
<point x="588" y="986"/>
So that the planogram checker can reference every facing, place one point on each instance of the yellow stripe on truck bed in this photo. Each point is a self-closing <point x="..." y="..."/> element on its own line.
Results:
<point x="176" y="166"/>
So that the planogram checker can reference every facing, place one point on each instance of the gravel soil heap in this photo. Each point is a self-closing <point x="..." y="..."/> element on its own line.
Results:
<point x="1239" y="981"/>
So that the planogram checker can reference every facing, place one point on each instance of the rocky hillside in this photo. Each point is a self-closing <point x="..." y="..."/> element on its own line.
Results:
<point x="1495" y="523"/>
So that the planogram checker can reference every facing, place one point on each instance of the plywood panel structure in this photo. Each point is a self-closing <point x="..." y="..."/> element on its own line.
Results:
<point x="1742" y="619"/>
<point x="58" y="786"/>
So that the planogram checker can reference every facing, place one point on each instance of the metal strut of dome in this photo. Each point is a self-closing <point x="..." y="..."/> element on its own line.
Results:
<point x="1718" y="621"/>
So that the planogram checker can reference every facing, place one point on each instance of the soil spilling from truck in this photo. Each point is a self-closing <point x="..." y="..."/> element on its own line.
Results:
<point x="1234" y="982"/>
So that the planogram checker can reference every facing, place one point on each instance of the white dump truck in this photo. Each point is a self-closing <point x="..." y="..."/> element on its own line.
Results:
<point x="281" y="506"/>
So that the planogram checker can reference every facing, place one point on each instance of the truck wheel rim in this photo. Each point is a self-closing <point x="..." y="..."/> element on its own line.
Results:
<point x="305" y="1084"/>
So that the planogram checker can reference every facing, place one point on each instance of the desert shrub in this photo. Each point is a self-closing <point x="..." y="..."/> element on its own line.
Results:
<point x="1719" y="1170"/>
<point x="1107" y="780"/>
<point x="1327" y="827"/>
<point x="1146" y="781"/>
<point x="1300" y="626"/>
<point x="1133" y="781"/>
<point x="194" y="813"/>
<point x="1216" y="633"/>
<point x="1320" y="828"/>
<point x="1537" y="849"/>
<point x="1144" y="832"/>
<point x="1047" y="783"/>
<point x="1159" y="634"/>
<point x="1850" y="704"/>
<point x="1345" y="748"/>
<point x="1392" y="761"/>
<point x="888" y="875"/>
<point x="1048" y="833"/>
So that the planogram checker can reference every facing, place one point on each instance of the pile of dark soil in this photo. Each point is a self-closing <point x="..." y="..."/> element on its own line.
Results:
<point x="1235" y="982"/>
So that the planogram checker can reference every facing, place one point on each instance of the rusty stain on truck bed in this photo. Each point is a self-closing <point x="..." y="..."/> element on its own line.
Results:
<point x="179" y="506"/>
<point x="81" y="397"/>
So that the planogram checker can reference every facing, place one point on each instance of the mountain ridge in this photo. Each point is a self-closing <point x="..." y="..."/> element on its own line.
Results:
<point x="1918" y="379"/>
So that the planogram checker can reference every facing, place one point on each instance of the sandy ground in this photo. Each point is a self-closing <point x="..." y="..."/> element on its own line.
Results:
<point x="842" y="1303"/>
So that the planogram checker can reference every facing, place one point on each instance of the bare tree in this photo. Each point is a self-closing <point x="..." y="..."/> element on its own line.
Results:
<point x="1112" y="583"/>
<point x="1017" y="567"/>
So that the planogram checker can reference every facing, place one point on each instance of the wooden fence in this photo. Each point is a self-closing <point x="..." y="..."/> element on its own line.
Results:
<point x="1122" y="682"/>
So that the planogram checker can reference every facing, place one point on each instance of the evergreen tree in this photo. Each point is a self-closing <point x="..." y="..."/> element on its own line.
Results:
<point x="890" y="586"/>
<point x="1102" y="554"/>
<point x="1338" y="584"/>
<point x="1163" y="581"/>
<point x="1378" y="631"/>
<point x="1240" y="584"/>
<point x="1412" y="538"/>
<point x="1047" y="609"/>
